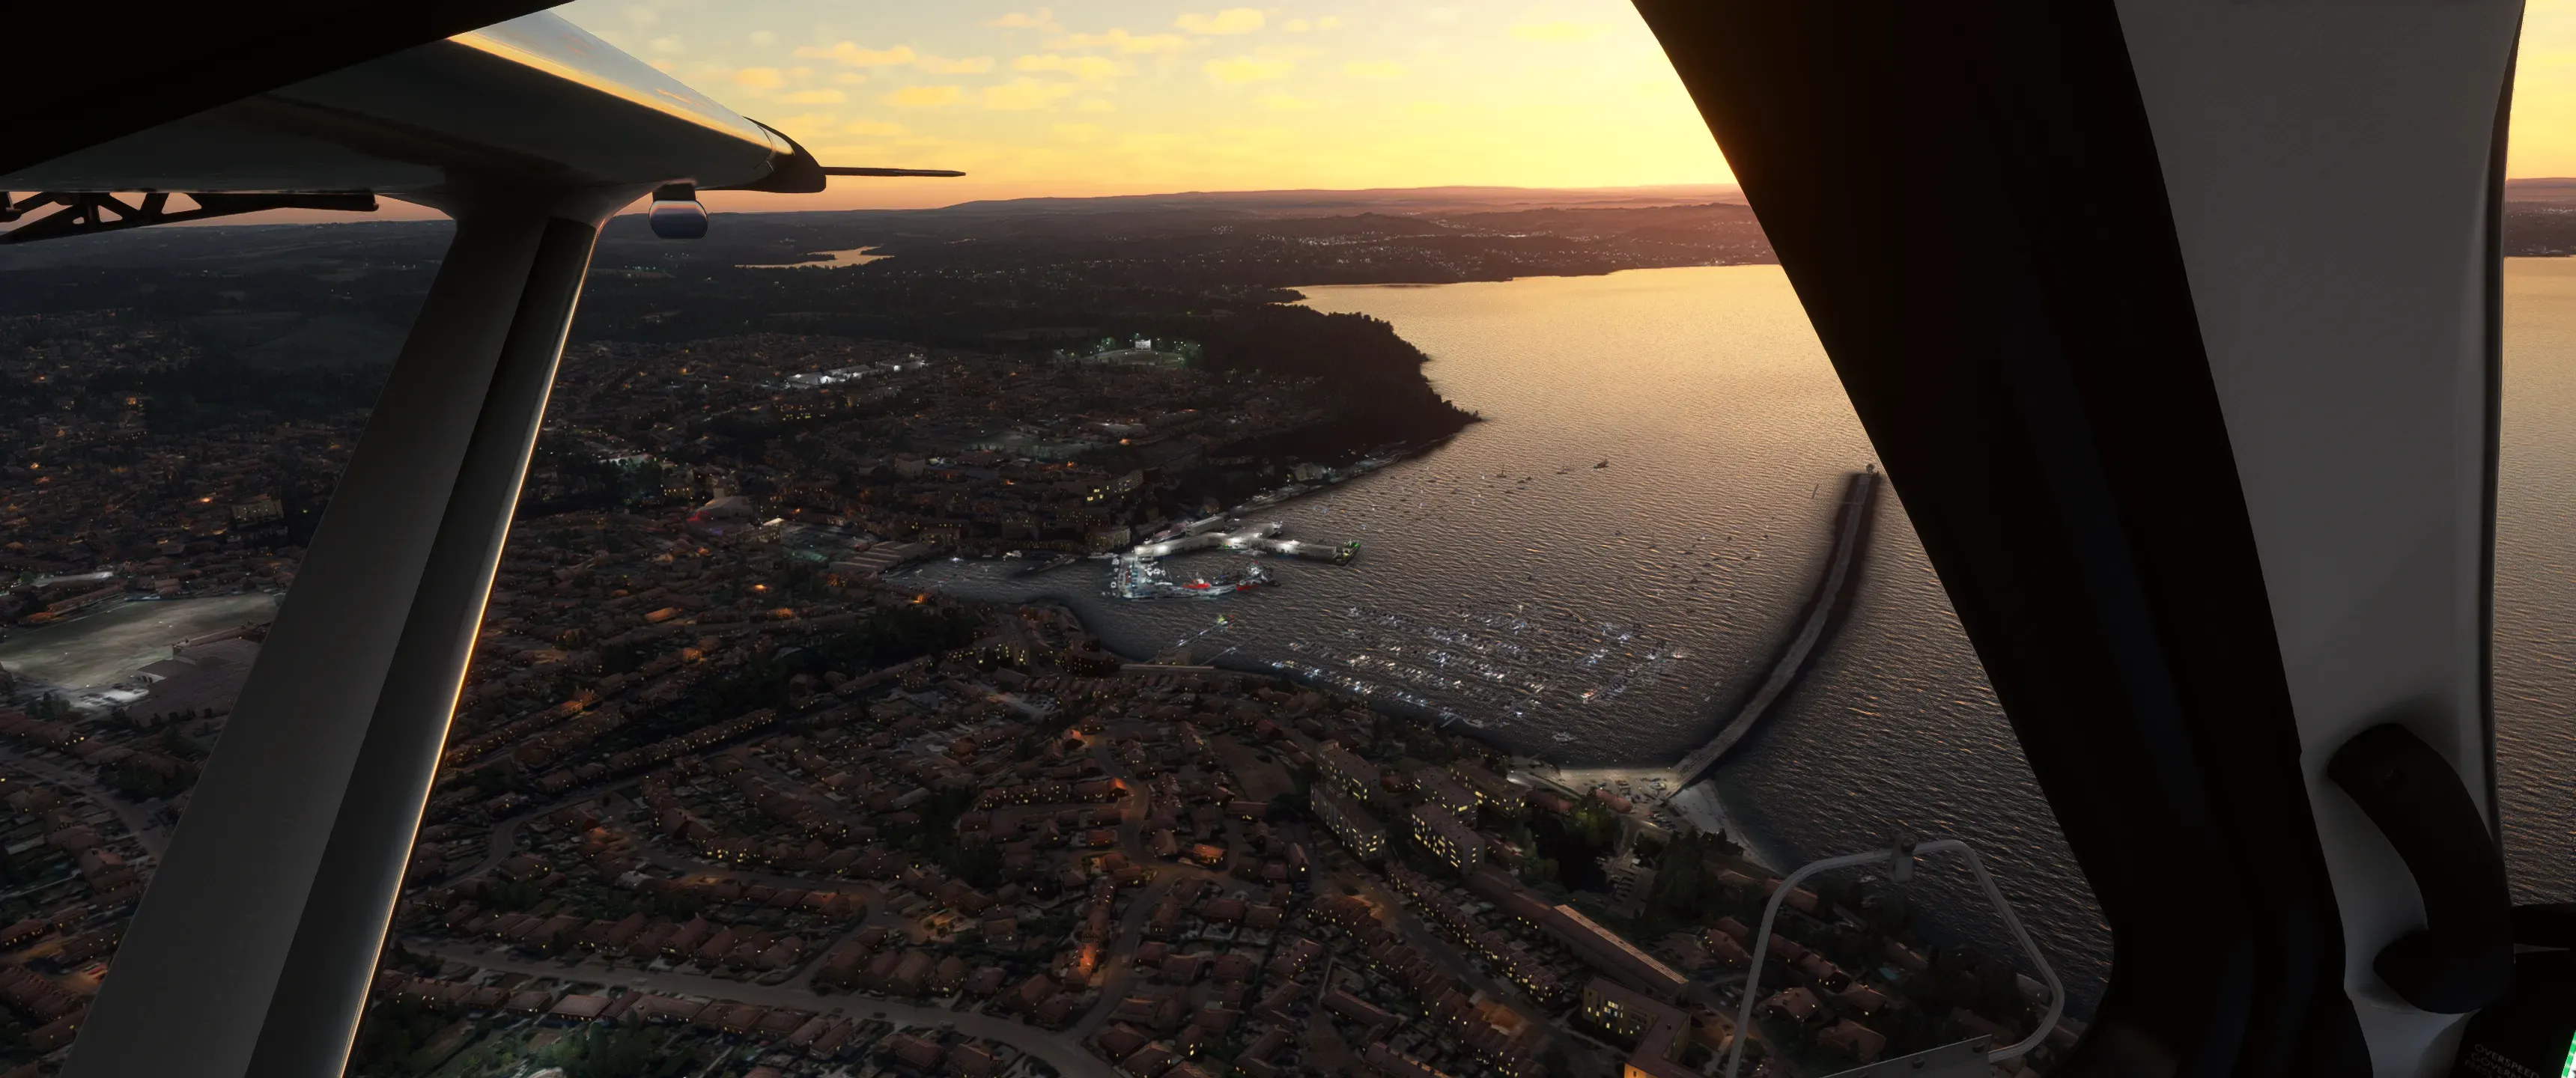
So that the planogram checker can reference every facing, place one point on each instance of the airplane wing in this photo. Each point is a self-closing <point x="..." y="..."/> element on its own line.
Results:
<point x="163" y="62"/>
<point x="534" y="101"/>
<point x="253" y="950"/>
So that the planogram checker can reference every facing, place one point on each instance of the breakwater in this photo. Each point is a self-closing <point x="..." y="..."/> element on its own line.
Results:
<point x="1850" y="535"/>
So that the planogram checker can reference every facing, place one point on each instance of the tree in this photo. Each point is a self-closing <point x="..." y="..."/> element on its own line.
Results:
<point x="391" y="1033"/>
<point x="1681" y="886"/>
<point x="979" y="864"/>
<point x="1287" y="807"/>
<point x="611" y="1053"/>
<point x="1575" y="843"/>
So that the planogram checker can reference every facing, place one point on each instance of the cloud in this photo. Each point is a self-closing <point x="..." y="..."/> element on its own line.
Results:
<point x="925" y="96"/>
<point x="1078" y="132"/>
<point x="1094" y="104"/>
<point x="1082" y="67"/>
<point x="1122" y="41"/>
<point x="1296" y="26"/>
<point x="1329" y="22"/>
<point x="1041" y="19"/>
<point x="665" y="45"/>
<point x="849" y="78"/>
<point x="875" y="127"/>
<point x="1558" y="31"/>
<point x="1285" y="103"/>
<point x="811" y="121"/>
<point x="1375" y="69"/>
<point x="1248" y="69"/>
<point x="759" y="78"/>
<point x="1233" y="20"/>
<point x="849" y="52"/>
<point x="763" y="37"/>
<point x="940" y="65"/>
<point x="815" y="97"/>
<point x="1022" y="95"/>
<point x="856" y="55"/>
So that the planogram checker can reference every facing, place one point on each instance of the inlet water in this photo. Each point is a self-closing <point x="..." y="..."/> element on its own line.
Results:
<point x="1600" y="569"/>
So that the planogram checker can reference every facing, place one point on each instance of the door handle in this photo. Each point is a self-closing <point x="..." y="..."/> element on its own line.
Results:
<point x="2462" y="959"/>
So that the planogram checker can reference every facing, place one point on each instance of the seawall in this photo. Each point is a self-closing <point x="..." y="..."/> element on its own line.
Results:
<point x="1850" y="537"/>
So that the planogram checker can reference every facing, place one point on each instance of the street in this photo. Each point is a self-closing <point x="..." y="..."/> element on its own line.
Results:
<point x="1061" y="1050"/>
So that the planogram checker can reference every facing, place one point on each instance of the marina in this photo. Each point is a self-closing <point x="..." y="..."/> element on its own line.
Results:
<point x="1493" y="671"/>
<point x="1132" y="577"/>
<point x="1139" y="573"/>
<point x="1489" y="671"/>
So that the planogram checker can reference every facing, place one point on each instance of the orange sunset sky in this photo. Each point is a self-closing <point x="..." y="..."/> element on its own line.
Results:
<point x="1139" y="96"/>
<point x="1151" y="96"/>
<point x="1131" y="96"/>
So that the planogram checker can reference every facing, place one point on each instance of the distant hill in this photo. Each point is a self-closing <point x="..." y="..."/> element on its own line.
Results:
<point x="741" y="236"/>
<point x="2540" y="217"/>
<point x="2559" y="189"/>
<point x="1386" y="200"/>
<point x="2542" y="221"/>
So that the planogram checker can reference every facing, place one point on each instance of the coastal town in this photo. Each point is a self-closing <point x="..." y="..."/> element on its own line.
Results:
<point x="834" y="828"/>
<point x="884" y="452"/>
<point x="720" y="799"/>
<point x="1009" y="853"/>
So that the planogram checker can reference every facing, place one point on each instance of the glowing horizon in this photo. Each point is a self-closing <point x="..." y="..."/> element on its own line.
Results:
<point x="1159" y="96"/>
<point x="1123" y="97"/>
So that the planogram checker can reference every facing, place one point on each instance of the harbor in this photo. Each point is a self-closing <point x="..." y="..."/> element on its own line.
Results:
<point x="1262" y="540"/>
<point x="1500" y="680"/>
<point x="1139" y="573"/>
<point x="1490" y="671"/>
<point x="1508" y="551"/>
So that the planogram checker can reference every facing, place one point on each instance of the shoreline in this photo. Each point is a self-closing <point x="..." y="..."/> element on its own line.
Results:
<point x="1836" y="596"/>
<point x="1815" y="624"/>
<point x="1393" y="456"/>
<point x="1302" y="298"/>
